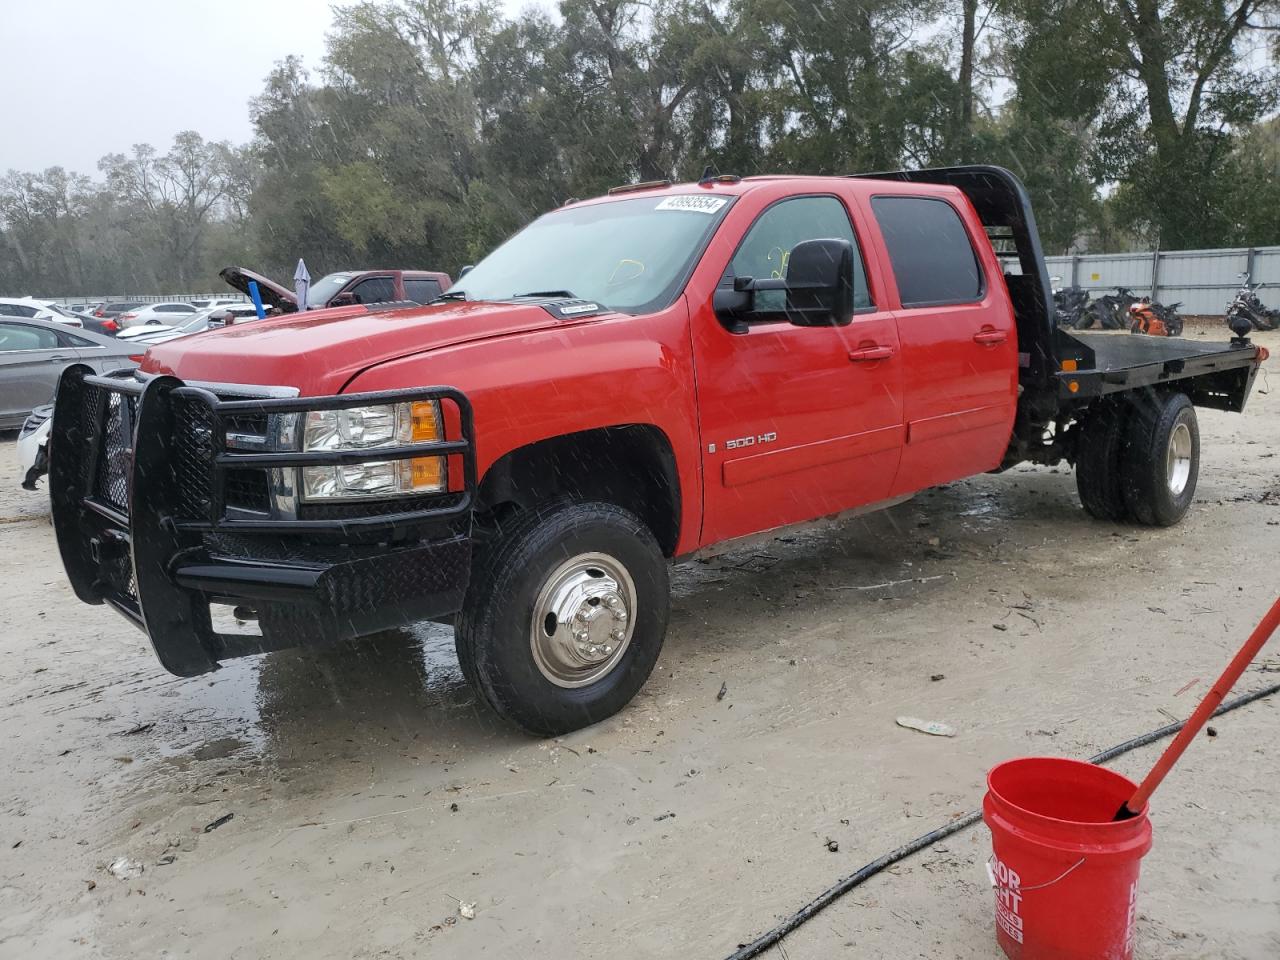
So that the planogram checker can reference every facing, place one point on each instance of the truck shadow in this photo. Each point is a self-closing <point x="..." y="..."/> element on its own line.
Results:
<point x="379" y="694"/>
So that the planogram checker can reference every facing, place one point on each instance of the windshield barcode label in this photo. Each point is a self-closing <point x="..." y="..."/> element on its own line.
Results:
<point x="693" y="203"/>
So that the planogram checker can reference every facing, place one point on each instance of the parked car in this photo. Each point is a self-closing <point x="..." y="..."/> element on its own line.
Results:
<point x="205" y="303"/>
<point x="160" y="314"/>
<point x="113" y="310"/>
<point x="628" y="380"/>
<point x="104" y="326"/>
<point x="33" y="354"/>
<point x="345" y="289"/>
<point x="33" y="445"/>
<point x="197" y="323"/>
<point x="31" y="309"/>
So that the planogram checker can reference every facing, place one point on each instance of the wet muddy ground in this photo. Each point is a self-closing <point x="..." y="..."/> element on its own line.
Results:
<point x="370" y="797"/>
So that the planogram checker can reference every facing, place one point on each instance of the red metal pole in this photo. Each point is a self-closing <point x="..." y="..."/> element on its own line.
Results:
<point x="1213" y="699"/>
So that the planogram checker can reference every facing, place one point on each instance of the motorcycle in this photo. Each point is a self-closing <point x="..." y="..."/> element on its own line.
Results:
<point x="1069" y="303"/>
<point x="1246" y="308"/>
<point x="1111" y="311"/>
<point x="1155" y="319"/>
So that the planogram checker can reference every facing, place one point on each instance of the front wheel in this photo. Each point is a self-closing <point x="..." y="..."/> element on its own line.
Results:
<point x="565" y="616"/>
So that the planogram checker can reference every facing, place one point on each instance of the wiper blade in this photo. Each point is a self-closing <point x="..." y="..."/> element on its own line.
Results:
<point x="568" y="295"/>
<point x="451" y="295"/>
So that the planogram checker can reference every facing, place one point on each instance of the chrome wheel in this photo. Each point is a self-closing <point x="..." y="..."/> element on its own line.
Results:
<point x="1178" y="461"/>
<point x="583" y="619"/>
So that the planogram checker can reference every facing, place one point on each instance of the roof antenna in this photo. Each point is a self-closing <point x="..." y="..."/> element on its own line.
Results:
<point x="709" y="173"/>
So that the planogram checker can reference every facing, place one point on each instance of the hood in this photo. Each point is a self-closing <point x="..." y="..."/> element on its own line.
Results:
<point x="319" y="351"/>
<point x="273" y="295"/>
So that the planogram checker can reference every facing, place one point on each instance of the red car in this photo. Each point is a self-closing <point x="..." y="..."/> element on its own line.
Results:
<point x="629" y="380"/>
<point x="345" y="288"/>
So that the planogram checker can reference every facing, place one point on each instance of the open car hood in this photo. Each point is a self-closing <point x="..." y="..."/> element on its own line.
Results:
<point x="273" y="295"/>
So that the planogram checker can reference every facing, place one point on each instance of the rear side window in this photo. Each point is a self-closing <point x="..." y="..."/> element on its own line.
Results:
<point x="932" y="258"/>
<point x="421" y="291"/>
<point x="16" y="310"/>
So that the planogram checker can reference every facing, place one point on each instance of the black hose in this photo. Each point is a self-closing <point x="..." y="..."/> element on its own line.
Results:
<point x="832" y="894"/>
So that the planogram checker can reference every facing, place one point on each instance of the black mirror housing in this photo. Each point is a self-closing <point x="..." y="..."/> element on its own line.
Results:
<point x="819" y="283"/>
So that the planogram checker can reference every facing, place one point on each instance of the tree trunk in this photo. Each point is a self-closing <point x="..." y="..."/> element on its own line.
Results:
<point x="964" y="113"/>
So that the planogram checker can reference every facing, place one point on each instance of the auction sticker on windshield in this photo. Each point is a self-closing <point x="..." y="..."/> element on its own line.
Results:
<point x="696" y="204"/>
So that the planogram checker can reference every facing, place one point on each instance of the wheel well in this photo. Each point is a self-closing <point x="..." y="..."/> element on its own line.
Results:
<point x="632" y="466"/>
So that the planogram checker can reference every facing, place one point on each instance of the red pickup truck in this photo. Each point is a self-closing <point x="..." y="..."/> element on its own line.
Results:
<point x="627" y="381"/>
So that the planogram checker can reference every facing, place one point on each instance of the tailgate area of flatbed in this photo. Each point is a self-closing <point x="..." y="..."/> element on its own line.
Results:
<point x="1217" y="373"/>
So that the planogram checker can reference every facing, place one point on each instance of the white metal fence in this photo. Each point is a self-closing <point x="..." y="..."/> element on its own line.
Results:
<point x="148" y="298"/>
<point x="1203" y="280"/>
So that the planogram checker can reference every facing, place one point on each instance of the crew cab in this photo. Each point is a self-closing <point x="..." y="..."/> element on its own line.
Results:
<point x="629" y="380"/>
<point x="345" y="288"/>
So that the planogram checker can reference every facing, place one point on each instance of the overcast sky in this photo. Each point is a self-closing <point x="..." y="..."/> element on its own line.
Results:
<point x="83" y="78"/>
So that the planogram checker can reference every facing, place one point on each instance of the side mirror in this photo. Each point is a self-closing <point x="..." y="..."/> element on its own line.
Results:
<point x="817" y="290"/>
<point x="820" y="283"/>
<point x="347" y="299"/>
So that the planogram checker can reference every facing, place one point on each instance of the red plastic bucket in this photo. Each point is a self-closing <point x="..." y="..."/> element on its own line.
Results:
<point x="1065" y="875"/>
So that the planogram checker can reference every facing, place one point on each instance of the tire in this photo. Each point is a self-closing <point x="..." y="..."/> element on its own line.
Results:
<point x="1161" y="458"/>
<point x="514" y="656"/>
<point x="1087" y="318"/>
<point x="1098" y="463"/>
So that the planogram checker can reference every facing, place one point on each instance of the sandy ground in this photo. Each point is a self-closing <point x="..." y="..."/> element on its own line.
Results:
<point x="371" y="794"/>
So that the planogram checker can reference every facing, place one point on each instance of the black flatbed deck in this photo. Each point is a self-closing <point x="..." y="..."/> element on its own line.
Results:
<point x="1222" y="370"/>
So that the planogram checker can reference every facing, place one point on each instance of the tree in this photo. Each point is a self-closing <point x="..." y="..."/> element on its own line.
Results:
<point x="172" y="197"/>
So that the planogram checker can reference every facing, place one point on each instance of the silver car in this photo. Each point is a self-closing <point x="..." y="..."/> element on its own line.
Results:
<point x="33" y="354"/>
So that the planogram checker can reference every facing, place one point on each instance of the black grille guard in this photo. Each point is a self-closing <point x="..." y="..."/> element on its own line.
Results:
<point x="144" y="550"/>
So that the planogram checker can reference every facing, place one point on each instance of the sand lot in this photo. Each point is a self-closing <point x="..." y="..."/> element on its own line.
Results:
<point x="371" y="795"/>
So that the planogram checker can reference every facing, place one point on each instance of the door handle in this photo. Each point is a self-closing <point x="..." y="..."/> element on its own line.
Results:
<point x="871" y="353"/>
<point x="58" y="358"/>
<point x="989" y="337"/>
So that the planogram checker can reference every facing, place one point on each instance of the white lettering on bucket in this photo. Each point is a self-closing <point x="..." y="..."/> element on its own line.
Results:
<point x="1131" y="926"/>
<point x="1008" y="900"/>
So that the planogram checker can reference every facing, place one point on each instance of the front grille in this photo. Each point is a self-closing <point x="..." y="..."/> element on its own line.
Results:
<point x="115" y="451"/>
<point x="245" y="424"/>
<point x="247" y="489"/>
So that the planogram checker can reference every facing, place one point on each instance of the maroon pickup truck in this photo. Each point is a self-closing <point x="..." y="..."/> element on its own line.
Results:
<point x="345" y="288"/>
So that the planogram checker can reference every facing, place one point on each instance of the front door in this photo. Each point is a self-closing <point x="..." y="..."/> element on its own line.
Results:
<point x="796" y="422"/>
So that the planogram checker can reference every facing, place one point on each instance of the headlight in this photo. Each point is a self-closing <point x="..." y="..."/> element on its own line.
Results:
<point x="368" y="428"/>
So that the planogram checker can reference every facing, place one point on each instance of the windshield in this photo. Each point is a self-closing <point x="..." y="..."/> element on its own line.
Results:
<point x="628" y="255"/>
<point x="319" y="293"/>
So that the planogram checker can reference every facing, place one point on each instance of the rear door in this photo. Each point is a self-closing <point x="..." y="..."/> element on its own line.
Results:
<point x="959" y="343"/>
<point x="796" y="422"/>
<point x="421" y="289"/>
<point x="31" y="359"/>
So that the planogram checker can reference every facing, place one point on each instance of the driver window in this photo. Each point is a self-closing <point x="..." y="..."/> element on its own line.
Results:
<point x="767" y="245"/>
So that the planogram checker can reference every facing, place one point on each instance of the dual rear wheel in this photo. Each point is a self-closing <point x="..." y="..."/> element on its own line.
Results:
<point x="1138" y="459"/>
